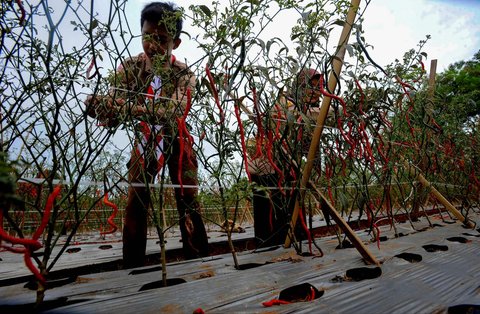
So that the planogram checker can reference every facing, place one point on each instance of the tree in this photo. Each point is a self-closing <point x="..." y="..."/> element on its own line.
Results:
<point x="458" y="91"/>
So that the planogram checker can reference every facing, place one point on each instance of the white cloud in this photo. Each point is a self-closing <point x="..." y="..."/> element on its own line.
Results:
<point x="393" y="27"/>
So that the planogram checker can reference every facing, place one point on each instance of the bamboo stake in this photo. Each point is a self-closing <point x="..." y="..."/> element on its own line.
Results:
<point x="420" y="199"/>
<point x="431" y="83"/>
<point x="356" y="241"/>
<point x="337" y="63"/>
<point x="444" y="201"/>
<point x="425" y="183"/>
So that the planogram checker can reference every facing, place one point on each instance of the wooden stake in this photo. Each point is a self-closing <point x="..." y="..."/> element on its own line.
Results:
<point x="361" y="248"/>
<point x="337" y="63"/>
<point x="427" y="185"/>
<point x="444" y="201"/>
<point x="431" y="84"/>
<point x="421" y="199"/>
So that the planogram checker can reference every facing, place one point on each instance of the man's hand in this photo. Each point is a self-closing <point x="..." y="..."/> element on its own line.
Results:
<point x="105" y="109"/>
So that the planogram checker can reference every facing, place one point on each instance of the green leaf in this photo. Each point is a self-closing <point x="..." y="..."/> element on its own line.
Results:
<point x="339" y="22"/>
<point x="350" y="50"/>
<point x="261" y="43"/>
<point x="93" y="25"/>
<point x="205" y="10"/>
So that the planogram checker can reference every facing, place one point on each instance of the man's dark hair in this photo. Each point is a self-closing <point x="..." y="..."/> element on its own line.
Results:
<point x="166" y="14"/>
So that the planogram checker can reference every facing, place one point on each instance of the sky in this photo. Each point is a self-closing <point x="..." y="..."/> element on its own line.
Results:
<point x="393" y="27"/>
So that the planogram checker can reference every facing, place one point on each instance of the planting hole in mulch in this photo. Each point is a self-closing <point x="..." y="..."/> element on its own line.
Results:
<point x="459" y="239"/>
<point x="437" y="225"/>
<point x="306" y="254"/>
<point x="383" y="238"/>
<point x="105" y="247"/>
<point x="464" y="308"/>
<point x="74" y="250"/>
<point x="400" y="234"/>
<point x="300" y="293"/>
<point x="250" y="266"/>
<point x="159" y="284"/>
<point x="45" y="306"/>
<point x="362" y="273"/>
<point x="410" y="257"/>
<point x="144" y="271"/>
<point x="50" y="284"/>
<point x="435" y="248"/>
<point x="345" y="245"/>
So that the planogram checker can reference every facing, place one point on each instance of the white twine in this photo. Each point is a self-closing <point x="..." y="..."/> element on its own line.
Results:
<point x="170" y="185"/>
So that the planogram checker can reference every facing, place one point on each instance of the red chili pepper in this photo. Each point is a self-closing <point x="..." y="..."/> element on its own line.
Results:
<point x="258" y="144"/>
<point x="181" y="143"/>
<point x="90" y="67"/>
<point x="278" y="123"/>
<point x="407" y="117"/>
<point x="12" y="249"/>
<point x="275" y="302"/>
<point x="34" y="244"/>
<point x="328" y="176"/>
<point x="347" y="138"/>
<point x="362" y="97"/>
<point x="312" y="295"/>
<point x="370" y="221"/>
<point x="215" y="93"/>
<point x="473" y="177"/>
<point x="110" y="219"/>
<point x="325" y="93"/>
<point x="242" y="140"/>
<point x="22" y="11"/>
<point x="31" y="245"/>
<point x="184" y="124"/>
<point x="261" y="132"/>
<point x="46" y="212"/>
<point x="439" y="128"/>
<point x="404" y="87"/>
<point x="385" y="120"/>
<point x="270" y="159"/>
<point x="294" y="176"/>
<point x="423" y="71"/>
<point x="28" y="262"/>
<point x="182" y="133"/>
<point x="305" y="228"/>
<point x="380" y="147"/>
<point x="368" y="149"/>
<point x="300" y="130"/>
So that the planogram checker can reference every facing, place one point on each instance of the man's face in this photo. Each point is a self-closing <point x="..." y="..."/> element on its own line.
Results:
<point x="312" y="91"/>
<point x="157" y="42"/>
